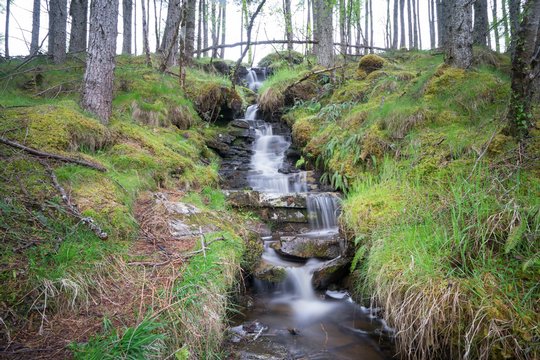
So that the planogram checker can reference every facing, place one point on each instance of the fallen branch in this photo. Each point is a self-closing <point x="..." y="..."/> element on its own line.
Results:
<point x="310" y="74"/>
<point x="73" y="210"/>
<point x="42" y="154"/>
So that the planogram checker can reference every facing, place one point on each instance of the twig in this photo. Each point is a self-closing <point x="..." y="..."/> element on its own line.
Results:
<point x="43" y="154"/>
<point x="202" y="242"/>
<point x="310" y="74"/>
<point x="88" y="221"/>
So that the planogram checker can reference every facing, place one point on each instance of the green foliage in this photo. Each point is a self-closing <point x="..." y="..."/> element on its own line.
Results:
<point x="135" y="343"/>
<point x="280" y="59"/>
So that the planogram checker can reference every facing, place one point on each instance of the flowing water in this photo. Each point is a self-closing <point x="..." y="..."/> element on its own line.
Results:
<point x="301" y="322"/>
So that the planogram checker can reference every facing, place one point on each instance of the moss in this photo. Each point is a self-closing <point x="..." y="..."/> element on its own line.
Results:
<point x="370" y="63"/>
<point x="303" y="130"/>
<point x="352" y="90"/>
<point x="279" y="59"/>
<point x="59" y="128"/>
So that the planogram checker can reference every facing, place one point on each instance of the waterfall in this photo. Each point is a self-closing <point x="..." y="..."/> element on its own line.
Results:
<point x="252" y="80"/>
<point x="323" y="210"/>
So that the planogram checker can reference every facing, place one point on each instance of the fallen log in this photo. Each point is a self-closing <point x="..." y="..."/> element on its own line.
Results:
<point x="43" y="154"/>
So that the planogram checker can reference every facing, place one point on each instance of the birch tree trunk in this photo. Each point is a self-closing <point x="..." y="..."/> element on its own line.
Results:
<point x="388" y="41"/>
<point x="199" y="29"/>
<point x="432" y="38"/>
<point x="459" y="32"/>
<point x="223" y="5"/>
<point x="6" y="33"/>
<point x="36" y="17"/>
<point x="402" y="43"/>
<point x="57" y="30"/>
<point x="409" y="23"/>
<point x="99" y="75"/>
<point x="415" y="25"/>
<point x="189" y="40"/>
<point x="205" y="25"/>
<point x="127" y="9"/>
<point x="496" y="26"/>
<point x="288" y="24"/>
<point x="78" y="11"/>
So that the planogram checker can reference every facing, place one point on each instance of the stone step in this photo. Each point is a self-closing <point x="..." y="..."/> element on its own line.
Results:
<point x="256" y="199"/>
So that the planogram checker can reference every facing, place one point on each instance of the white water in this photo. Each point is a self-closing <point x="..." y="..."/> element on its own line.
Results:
<point x="323" y="210"/>
<point x="253" y="80"/>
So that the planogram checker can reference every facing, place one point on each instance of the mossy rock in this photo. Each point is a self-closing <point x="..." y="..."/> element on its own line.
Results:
<point x="370" y="63"/>
<point x="275" y="59"/>
<point x="269" y="273"/>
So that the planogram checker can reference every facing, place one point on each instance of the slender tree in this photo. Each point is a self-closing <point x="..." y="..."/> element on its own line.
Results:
<point x="441" y="26"/>
<point x="431" y="11"/>
<point x="157" y="19"/>
<point x="135" y="27"/>
<point x="127" y="10"/>
<point x="223" y="6"/>
<point x="496" y="26"/>
<point x="36" y="19"/>
<point x="342" y="26"/>
<point x="506" y="22"/>
<point x="98" y="86"/>
<point x="525" y="68"/>
<point x="205" y="24"/>
<point x="57" y="30"/>
<point x="514" y="7"/>
<point x="409" y="23"/>
<point x="481" y="23"/>
<point x="325" y="49"/>
<point x="371" y="26"/>
<point x="146" y="46"/>
<point x="199" y="29"/>
<point x="189" y="34"/>
<point x="395" y="36"/>
<point x="169" y="45"/>
<point x="458" y="24"/>
<point x="288" y="24"/>
<point x="366" y="26"/>
<point x="78" y="10"/>
<point x="402" y="43"/>
<point x="388" y="28"/>
<point x="6" y="34"/>
<point x="415" y="25"/>
<point x="418" y="22"/>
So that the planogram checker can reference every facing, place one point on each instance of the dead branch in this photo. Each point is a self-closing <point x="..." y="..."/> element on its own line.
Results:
<point x="73" y="210"/>
<point x="310" y="74"/>
<point x="42" y="154"/>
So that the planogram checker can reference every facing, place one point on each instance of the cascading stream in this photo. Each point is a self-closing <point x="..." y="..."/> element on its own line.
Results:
<point x="328" y="328"/>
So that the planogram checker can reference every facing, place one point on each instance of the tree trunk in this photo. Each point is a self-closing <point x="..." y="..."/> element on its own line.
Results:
<point x="223" y="26"/>
<point x="57" y="30"/>
<point x="506" y="22"/>
<point x="157" y="19"/>
<point x="396" y="25"/>
<point x="342" y="27"/>
<point x="316" y="27"/>
<point x="525" y="67"/>
<point x="441" y="26"/>
<point x="78" y="11"/>
<point x="514" y="6"/>
<point x="402" y="43"/>
<point x="6" y="34"/>
<point x="409" y="23"/>
<point x="146" y="47"/>
<point x="459" y="32"/>
<point x="215" y="29"/>
<point x="481" y="23"/>
<point x="135" y="27"/>
<point x="288" y="24"/>
<point x="358" y="27"/>
<point x="199" y="29"/>
<point x="168" y="47"/>
<point x="371" y="26"/>
<point x="36" y="17"/>
<point x="309" y="29"/>
<point x="349" y="24"/>
<point x="418" y="27"/>
<point x="98" y="86"/>
<point x="189" y="40"/>
<point x="388" y="26"/>
<point x="415" y="24"/>
<point x="325" y="53"/>
<point x="366" y="26"/>
<point x="205" y="25"/>
<point x="431" y="11"/>
<point x="496" y="26"/>
<point x="127" y="8"/>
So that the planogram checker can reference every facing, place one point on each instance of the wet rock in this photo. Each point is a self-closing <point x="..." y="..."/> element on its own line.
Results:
<point x="281" y="215"/>
<point x="243" y="124"/>
<point x="308" y="247"/>
<point x="219" y="146"/>
<point x="269" y="273"/>
<point x="288" y="169"/>
<point x="255" y="199"/>
<point x="330" y="272"/>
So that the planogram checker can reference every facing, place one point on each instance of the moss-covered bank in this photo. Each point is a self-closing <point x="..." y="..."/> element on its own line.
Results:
<point x="441" y="204"/>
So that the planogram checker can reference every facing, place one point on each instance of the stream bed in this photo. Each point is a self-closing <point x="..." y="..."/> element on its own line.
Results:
<point x="289" y="318"/>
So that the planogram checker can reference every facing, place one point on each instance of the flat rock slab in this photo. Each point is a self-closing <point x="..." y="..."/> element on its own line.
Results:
<point x="269" y="273"/>
<point x="256" y="199"/>
<point x="306" y="247"/>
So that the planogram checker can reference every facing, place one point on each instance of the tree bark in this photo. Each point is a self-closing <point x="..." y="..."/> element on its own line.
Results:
<point x="402" y="43"/>
<point x="366" y="26"/>
<point x="127" y="12"/>
<point x="325" y="53"/>
<point x="57" y="30"/>
<point x="525" y="68"/>
<point x="199" y="28"/>
<point x="342" y="27"/>
<point x="6" y="34"/>
<point x="432" y="38"/>
<point x="359" y="33"/>
<point x="370" y="26"/>
<point x="388" y="28"/>
<point x="396" y="25"/>
<point x="214" y="17"/>
<point x="168" y="47"/>
<point x="418" y="28"/>
<point x="441" y="26"/>
<point x="409" y="23"/>
<point x="98" y="86"/>
<point x="135" y="27"/>
<point x="415" y="25"/>
<point x="288" y="24"/>
<point x="514" y="7"/>
<point x="481" y="23"/>
<point x="205" y="24"/>
<point x="309" y="27"/>
<point x="146" y="46"/>
<point x="36" y="19"/>
<point x="157" y="19"/>
<point x="223" y="26"/>
<point x="78" y="11"/>
<point x="459" y="32"/>
<point x="496" y="26"/>
<point x="506" y="22"/>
